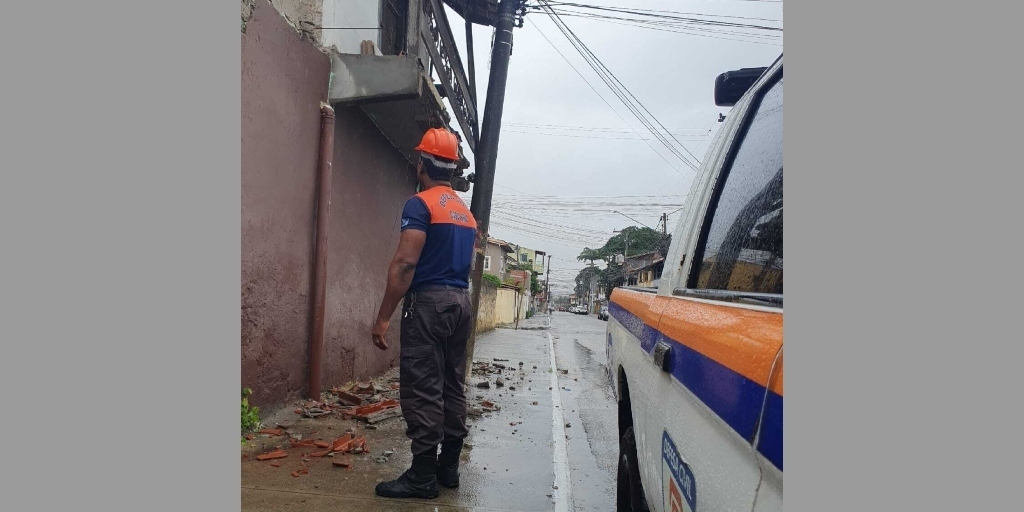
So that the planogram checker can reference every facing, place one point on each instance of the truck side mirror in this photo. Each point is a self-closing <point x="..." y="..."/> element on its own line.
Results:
<point x="732" y="85"/>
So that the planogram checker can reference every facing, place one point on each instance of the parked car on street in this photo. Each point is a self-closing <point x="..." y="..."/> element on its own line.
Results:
<point x="696" y="364"/>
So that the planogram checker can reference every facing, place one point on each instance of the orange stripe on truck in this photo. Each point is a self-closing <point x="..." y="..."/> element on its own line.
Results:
<point x="743" y="340"/>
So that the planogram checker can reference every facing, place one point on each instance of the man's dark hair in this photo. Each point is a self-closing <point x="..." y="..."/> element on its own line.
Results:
<point x="439" y="169"/>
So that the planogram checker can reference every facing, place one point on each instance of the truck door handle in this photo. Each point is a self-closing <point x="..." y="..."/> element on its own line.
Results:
<point x="662" y="353"/>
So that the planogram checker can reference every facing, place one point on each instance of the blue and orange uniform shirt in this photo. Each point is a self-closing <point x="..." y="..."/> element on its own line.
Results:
<point x="451" y="235"/>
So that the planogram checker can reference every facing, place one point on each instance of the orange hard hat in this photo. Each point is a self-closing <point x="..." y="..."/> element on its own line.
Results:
<point x="440" y="143"/>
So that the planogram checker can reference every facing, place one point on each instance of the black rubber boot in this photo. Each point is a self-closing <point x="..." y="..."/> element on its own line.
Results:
<point x="419" y="481"/>
<point x="448" y="464"/>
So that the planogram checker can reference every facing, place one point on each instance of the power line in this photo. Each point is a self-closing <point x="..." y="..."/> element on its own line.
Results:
<point x="656" y="16"/>
<point x="660" y="11"/>
<point x="690" y="32"/>
<point x="566" y="59"/>
<point x="588" y="128"/>
<point x="592" y="137"/>
<point x="706" y="135"/>
<point x="682" y="27"/>
<point x="605" y="75"/>
<point x="618" y="88"/>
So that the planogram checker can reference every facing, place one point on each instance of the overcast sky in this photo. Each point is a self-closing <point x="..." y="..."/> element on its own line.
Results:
<point x="556" y="193"/>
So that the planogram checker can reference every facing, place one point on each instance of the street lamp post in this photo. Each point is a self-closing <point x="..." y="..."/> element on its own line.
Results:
<point x="632" y="219"/>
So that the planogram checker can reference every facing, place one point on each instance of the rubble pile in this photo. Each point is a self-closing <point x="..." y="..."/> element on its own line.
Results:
<point x="372" y="401"/>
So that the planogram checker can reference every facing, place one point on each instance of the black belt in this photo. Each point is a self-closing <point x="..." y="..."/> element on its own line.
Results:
<point x="437" y="287"/>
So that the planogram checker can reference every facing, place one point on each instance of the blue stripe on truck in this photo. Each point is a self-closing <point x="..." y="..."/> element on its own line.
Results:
<point x="733" y="397"/>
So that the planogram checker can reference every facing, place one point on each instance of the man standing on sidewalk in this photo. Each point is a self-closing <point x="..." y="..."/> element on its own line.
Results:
<point x="431" y="270"/>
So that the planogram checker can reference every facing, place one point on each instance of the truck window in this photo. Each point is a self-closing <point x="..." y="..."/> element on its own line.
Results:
<point x="742" y="249"/>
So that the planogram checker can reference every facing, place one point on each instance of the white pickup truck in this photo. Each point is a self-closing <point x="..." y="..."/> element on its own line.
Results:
<point x="696" y="364"/>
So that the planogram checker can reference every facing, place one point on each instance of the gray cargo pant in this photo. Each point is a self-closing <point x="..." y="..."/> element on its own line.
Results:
<point x="436" y="324"/>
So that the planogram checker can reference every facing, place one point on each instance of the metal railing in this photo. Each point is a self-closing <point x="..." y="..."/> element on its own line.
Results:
<point x="444" y="55"/>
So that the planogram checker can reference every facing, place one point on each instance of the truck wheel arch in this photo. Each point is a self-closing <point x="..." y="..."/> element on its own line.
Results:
<point x="625" y="407"/>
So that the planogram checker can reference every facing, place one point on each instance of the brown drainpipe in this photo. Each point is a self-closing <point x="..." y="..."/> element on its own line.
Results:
<point x="323" y="215"/>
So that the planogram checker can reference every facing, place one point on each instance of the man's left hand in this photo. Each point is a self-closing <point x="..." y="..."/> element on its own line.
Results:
<point x="380" y="329"/>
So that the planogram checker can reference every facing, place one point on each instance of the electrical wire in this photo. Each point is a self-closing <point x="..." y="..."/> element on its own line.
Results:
<point x="663" y="16"/>
<point x="605" y="76"/>
<point x="619" y="89"/>
<point x="588" y="128"/>
<point x="691" y="31"/>
<point x="661" y="11"/>
<point x="566" y="59"/>
<point x="591" y="137"/>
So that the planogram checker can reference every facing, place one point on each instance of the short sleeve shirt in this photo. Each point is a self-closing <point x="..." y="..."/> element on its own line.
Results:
<point x="451" y="235"/>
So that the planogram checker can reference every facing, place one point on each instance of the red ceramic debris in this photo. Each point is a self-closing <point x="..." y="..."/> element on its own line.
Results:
<point x="348" y="398"/>
<point x="322" y="444"/>
<point x="342" y="443"/>
<point x="362" y="412"/>
<point x="360" y="442"/>
<point x="320" y="454"/>
<point x="275" y="464"/>
<point x="277" y="454"/>
<point x="341" y="464"/>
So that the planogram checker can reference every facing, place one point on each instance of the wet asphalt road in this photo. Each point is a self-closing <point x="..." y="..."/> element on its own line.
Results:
<point x="589" y="407"/>
<point x="552" y="445"/>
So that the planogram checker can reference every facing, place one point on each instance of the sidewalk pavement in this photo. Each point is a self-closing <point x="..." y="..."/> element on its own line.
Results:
<point x="507" y="464"/>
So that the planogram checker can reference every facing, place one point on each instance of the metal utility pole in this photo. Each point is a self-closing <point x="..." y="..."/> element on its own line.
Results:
<point x="664" y="224"/>
<point x="487" y="149"/>
<point x="547" y="284"/>
<point x="471" y="62"/>
<point x="625" y="256"/>
<point x="626" y="253"/>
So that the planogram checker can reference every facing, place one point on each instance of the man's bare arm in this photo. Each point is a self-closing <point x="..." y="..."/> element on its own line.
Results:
<point x="400" y="274"/>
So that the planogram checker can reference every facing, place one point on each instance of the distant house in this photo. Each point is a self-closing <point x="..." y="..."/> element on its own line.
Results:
<point x="496" y="258"/>
<point x="527" y="257"/>
<point x="644" y="270"/>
